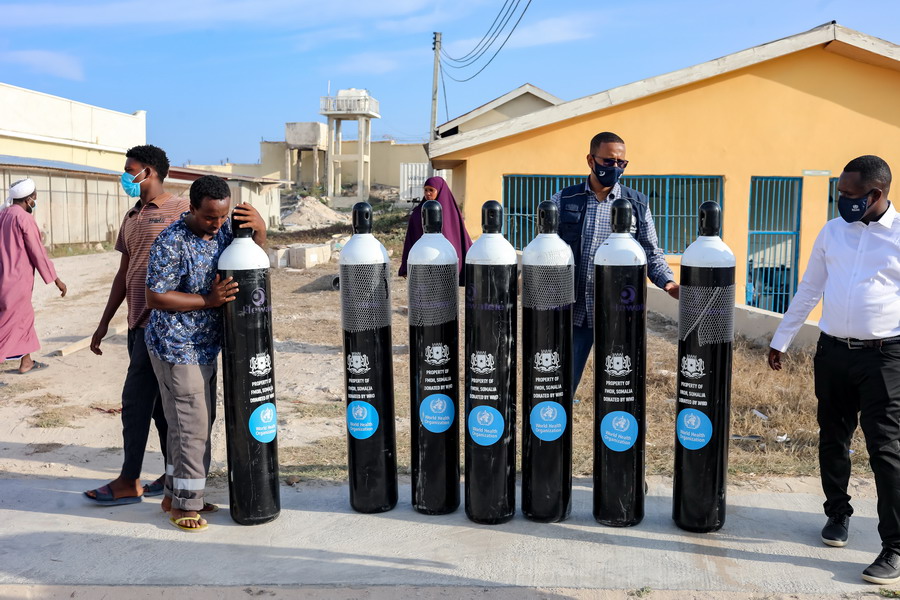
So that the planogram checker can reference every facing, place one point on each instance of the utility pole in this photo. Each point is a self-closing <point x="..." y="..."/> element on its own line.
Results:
<point x="432" y="132"/>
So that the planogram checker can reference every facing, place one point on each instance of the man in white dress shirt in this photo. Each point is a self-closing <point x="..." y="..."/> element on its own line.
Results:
<point x="855" y="265"/>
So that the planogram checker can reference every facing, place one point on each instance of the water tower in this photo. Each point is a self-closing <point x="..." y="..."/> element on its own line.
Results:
<point x="350" y="104"/>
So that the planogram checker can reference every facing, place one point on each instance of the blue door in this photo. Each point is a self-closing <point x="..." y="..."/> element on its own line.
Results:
<point x="773" y="246"/>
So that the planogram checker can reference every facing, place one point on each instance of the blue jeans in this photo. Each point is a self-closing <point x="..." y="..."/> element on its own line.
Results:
<point x="582" y="341"/>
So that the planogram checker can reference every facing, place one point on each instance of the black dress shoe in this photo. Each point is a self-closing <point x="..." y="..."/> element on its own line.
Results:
<point x="835" y="532"/>
<point x="885" y="570"/>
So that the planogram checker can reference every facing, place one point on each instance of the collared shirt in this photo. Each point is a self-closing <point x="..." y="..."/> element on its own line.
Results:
<point x="139" y="229"/>
<point x="182" y="261"/>
<point x="598" y="227"/>
<point x="857" y="269"/>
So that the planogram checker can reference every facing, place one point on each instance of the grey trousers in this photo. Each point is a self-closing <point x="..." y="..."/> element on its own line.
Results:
<point x="189" y="401"/>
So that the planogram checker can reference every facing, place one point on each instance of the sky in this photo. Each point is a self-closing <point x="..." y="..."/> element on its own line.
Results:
<point x="216" y="77"/>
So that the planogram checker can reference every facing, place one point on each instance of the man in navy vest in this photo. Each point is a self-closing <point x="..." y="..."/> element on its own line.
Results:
<point x="584" y="224"/>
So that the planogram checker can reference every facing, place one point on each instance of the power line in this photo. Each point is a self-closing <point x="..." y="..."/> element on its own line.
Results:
<point x="444" y="84"/>
<point x="484" y="37"/>
<point x="519" y="20"/>
<point x="506" y="12"/>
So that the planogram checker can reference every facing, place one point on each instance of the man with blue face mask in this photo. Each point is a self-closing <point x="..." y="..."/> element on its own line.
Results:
<point x="584" y="224"/>
<point x="855" y="270"/>
<point x="154" y="209"/>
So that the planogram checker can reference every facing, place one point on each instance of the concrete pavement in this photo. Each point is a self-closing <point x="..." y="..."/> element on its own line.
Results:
<point x="769" y="546"/>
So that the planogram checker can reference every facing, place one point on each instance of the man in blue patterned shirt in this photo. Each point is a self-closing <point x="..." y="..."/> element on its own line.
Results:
<point x="184" y="336"/>
<point x="584" y="224"/>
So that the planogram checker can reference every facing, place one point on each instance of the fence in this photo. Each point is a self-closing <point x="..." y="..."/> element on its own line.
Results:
<point x="773" y="241"/>
<point x="73" y="207"/>
<point x="673" y="202"/>
<point x="832" y="198"/>
<point x="412" y="179"/>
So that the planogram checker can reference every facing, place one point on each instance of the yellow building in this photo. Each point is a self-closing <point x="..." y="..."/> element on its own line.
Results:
<point x="764" y="131"/>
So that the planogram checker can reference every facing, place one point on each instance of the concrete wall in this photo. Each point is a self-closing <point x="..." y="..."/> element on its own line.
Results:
<point x="775" y="118"/>
<point x="385" y="160"/>
<point x="37" y="125"/>
<point x="272" y="163"/>
<point x="755" y="324"/>
<point x="73" y="208"/>
<point x="516" y="107"/>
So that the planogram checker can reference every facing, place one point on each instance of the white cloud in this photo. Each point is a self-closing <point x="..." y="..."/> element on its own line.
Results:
<point x="379" y="63"/>
<point x="201" y="14"/>
<point x="46" y="61"/>
<point x="554" y="30"/>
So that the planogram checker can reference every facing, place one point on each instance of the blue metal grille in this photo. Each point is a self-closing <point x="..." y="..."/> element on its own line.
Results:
<point x="773" y="245"/>
<point x="673" y="202"/>
<point x="832" y="198"/>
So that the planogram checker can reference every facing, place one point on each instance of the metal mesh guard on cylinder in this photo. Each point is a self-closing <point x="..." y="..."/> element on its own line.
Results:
<point x="709" y="310"/>
<point x="433" y="294"/>
<point x="365" y="297"/>
<point x="546" y="287"/>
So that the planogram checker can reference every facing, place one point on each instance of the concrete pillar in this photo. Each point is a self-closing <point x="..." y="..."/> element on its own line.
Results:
<point x="361" y="193"/>
<point x="338" y="152"/>
<point x="316" y="178"/>
<point x="287" y="165"/>
<point x="329" y="160"/>
<point x="367" y="157"/>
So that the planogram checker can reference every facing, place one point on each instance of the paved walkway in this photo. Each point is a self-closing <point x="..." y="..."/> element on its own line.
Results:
<point x="769" y="546"/>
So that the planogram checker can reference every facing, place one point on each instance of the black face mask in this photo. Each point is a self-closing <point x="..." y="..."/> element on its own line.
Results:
<point x="853" y="209"/>
<point x="607" y="176"/>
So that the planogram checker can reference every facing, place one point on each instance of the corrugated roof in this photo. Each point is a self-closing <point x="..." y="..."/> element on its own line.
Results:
<point x="42" y="163"/>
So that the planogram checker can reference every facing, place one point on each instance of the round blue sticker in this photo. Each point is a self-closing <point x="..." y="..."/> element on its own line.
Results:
<point x="485" y="425"/>
<point x="694" y="429"/>
<point x="362" y="419"/>
<point x="619" y="430"/>
<point x="264" y="423"/>
<point x="437" y="413"/>
<point x="548" y="421"/>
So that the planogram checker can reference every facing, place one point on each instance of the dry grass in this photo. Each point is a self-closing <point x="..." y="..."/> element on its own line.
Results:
<point x="59" y="417"/>
<point x="52" y="411"/>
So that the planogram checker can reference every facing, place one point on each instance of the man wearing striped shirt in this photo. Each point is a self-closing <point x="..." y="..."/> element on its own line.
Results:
<point x="584" y="224"/>
<point x="146" y="168"/>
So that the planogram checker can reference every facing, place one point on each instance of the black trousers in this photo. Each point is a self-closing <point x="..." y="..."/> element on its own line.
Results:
<point x="140" y="403"/>
<point x="860" y="386"/>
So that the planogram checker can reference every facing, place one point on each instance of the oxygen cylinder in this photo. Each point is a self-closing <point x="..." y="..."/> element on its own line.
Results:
<point x="705" y="340"/>
<point x="434" y="367"/>
<point x="251" y="421"/>
<point x="620" y="397"/>
<point x="368" y="367"/>
<point x="548" y="298"/>
<point x="490" y="355"/>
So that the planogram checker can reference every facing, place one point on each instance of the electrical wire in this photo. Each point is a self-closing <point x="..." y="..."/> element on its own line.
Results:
<point x="484" y="37"/>
<point x="519" y="20"/>
<point x="507" y="15"/>
<point x="444" y="85"/>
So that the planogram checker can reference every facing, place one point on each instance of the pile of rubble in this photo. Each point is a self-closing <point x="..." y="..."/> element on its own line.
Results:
<point x="310" y="213"/>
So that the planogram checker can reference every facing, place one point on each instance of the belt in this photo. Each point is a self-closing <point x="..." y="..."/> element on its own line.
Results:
<point x="854" y="344"/>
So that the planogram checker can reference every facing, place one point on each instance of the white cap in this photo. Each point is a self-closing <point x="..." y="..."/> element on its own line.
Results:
<point x="18" y="190"/>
